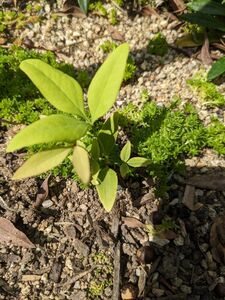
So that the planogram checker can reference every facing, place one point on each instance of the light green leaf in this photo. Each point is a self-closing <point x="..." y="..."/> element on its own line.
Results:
<point x="124" y="170"/>
<point x="61" y="90"/>
<point x="81" y="164"/>
<point x="41" y="162"/>
<point x="217" y="69"/>
<point x="137" y="162"/>
<point x="55" y="128"/>
<point x="125" y="152"/>
<point x="84" y="5"/>
<point x="107" y="188"/>
<point x="106" y="83"/>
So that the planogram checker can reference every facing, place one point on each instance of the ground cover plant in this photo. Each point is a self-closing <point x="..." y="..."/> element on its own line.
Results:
<point x="93" y="151"/>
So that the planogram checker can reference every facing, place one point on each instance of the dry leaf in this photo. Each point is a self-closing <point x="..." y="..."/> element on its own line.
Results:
<point x="219" y="46"/>
<point x="42" y="193"/>
<point x="217" y="239"/>
<point x="3" y="40"/>
<point x="189" y="198"/>
<point x="132" y="222"/>
<point x="9" y="234"/>
<point x="115" y="34"/>
<point x="204" y="54"/>
<point x="208" y="181"/>
<point x="70" y="9"/>
<point x="149" y="11"/>
<point x="177" y="5"/>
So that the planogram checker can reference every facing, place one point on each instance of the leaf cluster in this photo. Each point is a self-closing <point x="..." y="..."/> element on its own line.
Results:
<point x="158" y="45"/>
<point x="207" y="91"/>
<point x="68" y="134"/>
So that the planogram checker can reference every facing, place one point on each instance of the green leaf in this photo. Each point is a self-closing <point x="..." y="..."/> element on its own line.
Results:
<point x="207" y="7"/>
<point x="81" y="164"/>
<point x="55" y="128"/>
<point x="106" y="83"/>
<point x="108" y="134"/>
<point x="125" y="152"/>
<point x="107" y="188"/>
<point x="95" y="168"/>
<point x="84" y="5"/>
<point x="95" y="150"/>
<point x="124" y="170"/>
<point x="137" y="162"/>
<point x="201" y="19"/>
<point x="217" y="69"/>
<point x="61" y="90"/>
<point x="41" y="162"/>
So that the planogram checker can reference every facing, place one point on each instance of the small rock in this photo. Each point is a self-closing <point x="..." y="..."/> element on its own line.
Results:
<point x="177" y="282"/>
<point x="186" y="289"/>
<point x="157" y="292"/>
<point x="47" y="203"/>
<point x="220" y="290"/>
<point x="129" y="292"/>
<point x="179" y="241"/>
<point x="146" y="255"/>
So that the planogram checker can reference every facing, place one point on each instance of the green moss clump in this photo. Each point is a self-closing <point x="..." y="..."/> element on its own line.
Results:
<point x="108" y="46"/>
<point x="216" y="136"/>
<point x="113" y="19"/>
<point x="165" y="135"/>
<point x="158" y="45"/>
<point x="207" y="91"/>
<point x="98" y="6"/>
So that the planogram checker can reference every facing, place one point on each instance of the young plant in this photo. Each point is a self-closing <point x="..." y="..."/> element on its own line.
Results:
<point x="94" y="159"/>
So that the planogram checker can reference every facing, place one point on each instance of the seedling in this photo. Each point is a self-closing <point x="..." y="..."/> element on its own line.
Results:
<point x="90" y="144"/>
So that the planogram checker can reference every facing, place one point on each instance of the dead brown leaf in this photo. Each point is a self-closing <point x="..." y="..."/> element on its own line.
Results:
<point x="149" y="11"/>
<point x="217" y="239"/>
<point x="204" y="54"/>
<point x="189" y="198"/>
<point x="9" y="234"/>
<point x="132" y="222"/>
<point x="177" y="5"/>
<point x="219" y="46"/>
<point x="208" y="181"/>
<point x="167" y="234"/>
<point x="3" y="40"/>
<point x="42" y="193"/>
<point x="115" y="34"/>
<point x="70" y="9"/>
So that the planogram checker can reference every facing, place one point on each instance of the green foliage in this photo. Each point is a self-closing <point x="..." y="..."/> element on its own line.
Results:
<point x="217" y="69"/>
<point x="113" y="19"/>
<point x="158" y="45"/>
<point x="84" y="5"/>
<point x="216" y="136"/>
<point x="207" y="91"/>
<point x="109" y="46"/>
<point x="83" y="78"/>
<point x="163" y="135"/>
<point x="98" y="6"/>
<point x="95" y="160"/>
<point x="102" y="275"/>
<point x="206" y="13"/>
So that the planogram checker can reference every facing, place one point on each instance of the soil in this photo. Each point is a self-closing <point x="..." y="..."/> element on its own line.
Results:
<point x="82" y="252"/>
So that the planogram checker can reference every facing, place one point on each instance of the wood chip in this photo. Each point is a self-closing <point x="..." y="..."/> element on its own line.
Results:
<point x="142" y="282"/>
<point x="116" y="34"/>
<point x="149" y="11"/>
<point x="189" y="198"/>
<point x="31" y="277"/>
<point x="208" y="181"/>
<point x="9" y="234"/>
<point x="132" y="222"/>
<point x="116" y="272"/>
<point x="217" y="239"/>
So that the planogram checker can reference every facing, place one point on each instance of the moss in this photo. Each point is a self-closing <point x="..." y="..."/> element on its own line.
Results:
<point x="164" y="135"/>
<point x="207" y="91"/>
<point x="108" y="46"/>
<point x="113" y="19"/>
<point x="216" y="136"/>
<point x="98" y="7"/>
<point x="158" y="45"/>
